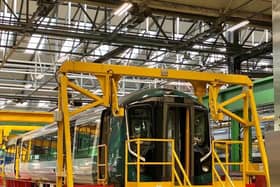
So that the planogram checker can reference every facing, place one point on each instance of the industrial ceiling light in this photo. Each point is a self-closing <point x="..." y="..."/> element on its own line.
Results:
<point x="27" y="86"/>
<point x="122" y="9"/>
<point x="24" y="104"/>
<point x="39" y="76"/>
<point x="238" y="26"/>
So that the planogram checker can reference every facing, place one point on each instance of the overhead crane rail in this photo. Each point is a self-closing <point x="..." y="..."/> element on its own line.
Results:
<point x="108" y="77"/>
<point x="26" y="116"/>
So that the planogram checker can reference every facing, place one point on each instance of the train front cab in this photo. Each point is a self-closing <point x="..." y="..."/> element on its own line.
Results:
<point x="167" y="139"/>
<point x="171" y="143"/>
<point x="166" y="143"/>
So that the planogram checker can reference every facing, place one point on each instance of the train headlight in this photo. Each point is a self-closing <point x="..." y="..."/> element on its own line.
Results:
<point x="205" y="168"/>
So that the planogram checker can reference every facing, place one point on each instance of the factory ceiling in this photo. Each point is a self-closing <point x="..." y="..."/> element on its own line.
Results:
<point x="36" y="37"/>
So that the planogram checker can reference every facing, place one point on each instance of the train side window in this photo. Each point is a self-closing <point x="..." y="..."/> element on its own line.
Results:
<point x="105" y="127"/>
<point x="87" y="137"/>
<point x="44" y="148"/>
<point x="140" y="121"/>
<point x="200" y="126"/>
<point x="24" y="151"/>
<point x="10" y="154"/>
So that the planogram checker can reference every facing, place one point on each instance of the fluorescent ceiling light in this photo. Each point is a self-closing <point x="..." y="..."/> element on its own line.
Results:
<point x="24" y="104"/>
<point x="43" y="104"/>
<point x="122" y="9"/>
<point x="238" y="26"/>
<point x="27" y="86"/>
<point x="2" y="103"/>
<point x="39" y="76"/>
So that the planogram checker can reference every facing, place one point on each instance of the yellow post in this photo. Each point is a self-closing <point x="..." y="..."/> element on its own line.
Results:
<point x="138" y="162"/>
<point x="66" y="127"/>
<point x="59" y="145"/>
<point x="255" y="119"/>
<point x="28" y="151"/>
<point x="1" y="136"/>
<point x="17" y="161"/>
<point x="227" y="160"/>
<point x="126" y="164"/>
<point x="60" y="160"/>
<point x="173" y="161"/>
<point x="246" y="139"/>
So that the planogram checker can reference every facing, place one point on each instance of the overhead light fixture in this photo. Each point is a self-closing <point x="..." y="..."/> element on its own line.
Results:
<point x="9" y="101"/>
<point x="43" y="104"/>
<point x="238" y="26"/>
<point x="39" y="76"/>
<point x="24" y="104"/>
<point x="27" y="86"/>
<point x="122" y="9"/>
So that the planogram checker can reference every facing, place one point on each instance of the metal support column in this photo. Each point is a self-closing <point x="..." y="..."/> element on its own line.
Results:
<point x="234" y="64"/>
<point x="272" y="138"/>
<point x="276" y="61"/>
<point x="235" y="148"/>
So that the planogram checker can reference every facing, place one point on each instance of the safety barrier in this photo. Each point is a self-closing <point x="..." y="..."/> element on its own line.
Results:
<point x="223" y="176"/>
<point x="173" y="162"/>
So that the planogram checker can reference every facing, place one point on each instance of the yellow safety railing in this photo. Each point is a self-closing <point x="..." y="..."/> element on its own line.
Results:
<point x="172" y="163"/>
<point x="186" y="180"/>
<point x="225" y="165"/>
<point x="102" y="167"/>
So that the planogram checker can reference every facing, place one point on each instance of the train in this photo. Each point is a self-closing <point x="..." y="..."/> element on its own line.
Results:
<point x="149" y="114"/>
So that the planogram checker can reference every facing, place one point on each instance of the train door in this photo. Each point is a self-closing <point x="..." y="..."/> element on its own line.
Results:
<point x="178" y="127"/>
<point x="188" y="126"/>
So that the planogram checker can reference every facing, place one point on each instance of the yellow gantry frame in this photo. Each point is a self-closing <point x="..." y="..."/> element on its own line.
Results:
<point x="21" y="116"/>
<point x="108" y="77"/>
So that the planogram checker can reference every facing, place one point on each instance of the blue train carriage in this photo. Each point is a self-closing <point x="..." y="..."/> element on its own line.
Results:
<point x="155" y="116"/>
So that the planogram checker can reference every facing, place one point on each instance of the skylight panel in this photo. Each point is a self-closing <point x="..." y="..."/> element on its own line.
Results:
<point x="68" y="45"/>
<point x="6" y="38"/>
<point x="83" y="25"/>
<point x="131" y="54"/>
<point x="101" y="50"/>
<point x="33" y="43"/>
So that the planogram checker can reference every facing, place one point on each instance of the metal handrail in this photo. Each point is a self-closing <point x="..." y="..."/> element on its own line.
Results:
<point x="223" y="168"/>
<point x="224" y="165"/>
<point x="138" y="162"/>
<point x="177" y="160"/>
<point x="174" y="160"/>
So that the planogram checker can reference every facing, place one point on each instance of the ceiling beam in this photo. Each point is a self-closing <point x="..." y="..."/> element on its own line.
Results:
<point x="190" y="11"/>
<point x="121" y="39"/>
